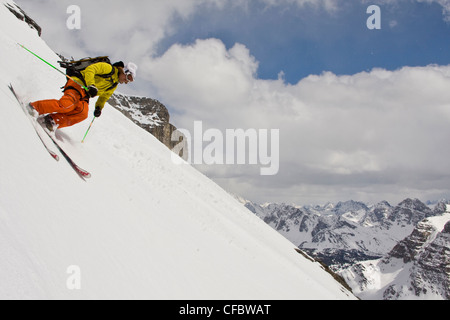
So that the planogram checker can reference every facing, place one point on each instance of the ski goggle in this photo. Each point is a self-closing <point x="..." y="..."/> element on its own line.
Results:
<point x="129" y="75"/>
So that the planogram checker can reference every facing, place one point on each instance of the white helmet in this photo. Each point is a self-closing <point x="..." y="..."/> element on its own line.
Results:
<point x="131" y="68"/>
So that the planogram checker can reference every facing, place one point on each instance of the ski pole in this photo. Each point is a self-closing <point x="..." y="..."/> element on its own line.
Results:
<point x="88" y="130"/>
<point x="68" y="77"/>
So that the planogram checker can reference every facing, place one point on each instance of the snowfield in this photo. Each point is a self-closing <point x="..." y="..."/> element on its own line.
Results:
<point x="141" y="228"/>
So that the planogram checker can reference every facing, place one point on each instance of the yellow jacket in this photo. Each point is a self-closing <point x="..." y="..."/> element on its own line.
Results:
<point x="105" y="86"/>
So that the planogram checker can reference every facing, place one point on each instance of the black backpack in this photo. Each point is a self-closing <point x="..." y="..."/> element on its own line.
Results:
<point x="74" y="68"/>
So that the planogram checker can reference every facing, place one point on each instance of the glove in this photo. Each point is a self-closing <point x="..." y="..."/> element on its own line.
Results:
<point x="92" y="91"/>
<point x="97" y="112"/>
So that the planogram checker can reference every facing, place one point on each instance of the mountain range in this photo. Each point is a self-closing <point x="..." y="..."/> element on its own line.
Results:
<point x="358" y="241"/>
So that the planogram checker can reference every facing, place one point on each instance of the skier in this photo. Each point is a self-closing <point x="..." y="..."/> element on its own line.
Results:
<point x="101" y="79"/>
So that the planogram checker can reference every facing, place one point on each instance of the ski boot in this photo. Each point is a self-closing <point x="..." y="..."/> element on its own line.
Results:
<point x="32" y="111"/>
<point x="47" y="122"/>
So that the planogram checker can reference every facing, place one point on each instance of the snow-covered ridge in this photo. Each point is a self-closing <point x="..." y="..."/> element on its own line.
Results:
<point x="382" y="251"/>
<point x="416" y="268"/>
<point x="352" y="229"/>
<point x="140" y="228"/>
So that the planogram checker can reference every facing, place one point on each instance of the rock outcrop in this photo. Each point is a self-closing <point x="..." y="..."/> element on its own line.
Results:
<point x="21" y="15"/>
<point x="418" y="267"/>
<point x="149" y="114"/>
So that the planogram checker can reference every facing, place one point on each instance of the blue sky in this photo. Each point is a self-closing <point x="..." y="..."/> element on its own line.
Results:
<point x="305" y="40"/>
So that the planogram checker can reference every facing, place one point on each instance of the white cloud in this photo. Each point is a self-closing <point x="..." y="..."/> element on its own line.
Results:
<point x="329" y="5"/>
<point x="125" y="27"/>
<point x="366" y="132"/>
<point x="204" y="78"/>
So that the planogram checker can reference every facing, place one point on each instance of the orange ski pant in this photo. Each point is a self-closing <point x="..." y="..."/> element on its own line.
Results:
<point x="71" y="109"/>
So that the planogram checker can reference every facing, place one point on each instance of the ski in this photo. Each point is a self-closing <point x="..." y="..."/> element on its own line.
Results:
<point x="83" y="174"/>
<point x="34" y="124"/>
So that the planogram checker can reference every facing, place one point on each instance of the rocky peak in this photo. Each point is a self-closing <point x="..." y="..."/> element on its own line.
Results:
<point x="413" y="204"/>
<point x="410" y="211"/>
<point x="428" y="250"/>
<point x="350" y="206"/>
<point x="417" y="267"/>
<point x="409" y="248"/>
<point x="149" y="114"/>
<point x="440" y="207"/>
<point x="22" y="16"/>
<point x="446" y="228"/>
<point x="378" y="214"/>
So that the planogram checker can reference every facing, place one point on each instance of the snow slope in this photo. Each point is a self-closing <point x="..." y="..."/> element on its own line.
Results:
<point x="141" y="228"/>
